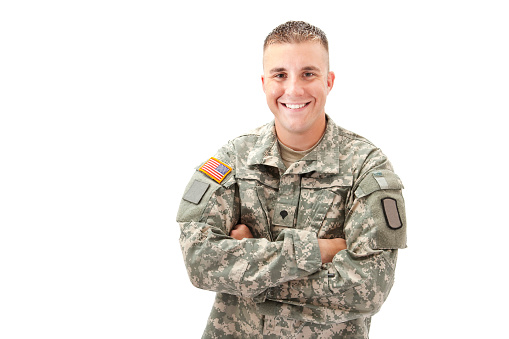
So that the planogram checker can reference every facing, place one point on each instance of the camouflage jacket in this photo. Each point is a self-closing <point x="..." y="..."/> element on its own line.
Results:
<point x="276" y="282"/>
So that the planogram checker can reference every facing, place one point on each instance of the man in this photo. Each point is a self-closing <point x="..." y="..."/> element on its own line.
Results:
<point x="295" y="225"/>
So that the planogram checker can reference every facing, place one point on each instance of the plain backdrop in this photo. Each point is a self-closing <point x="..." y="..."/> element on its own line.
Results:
<point x="107" y="107"/>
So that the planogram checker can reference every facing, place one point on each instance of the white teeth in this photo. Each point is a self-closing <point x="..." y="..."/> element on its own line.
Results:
<point x="295" y="106"/>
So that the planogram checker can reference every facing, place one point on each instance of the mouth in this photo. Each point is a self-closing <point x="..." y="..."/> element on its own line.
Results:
<point x="295" y="106"/>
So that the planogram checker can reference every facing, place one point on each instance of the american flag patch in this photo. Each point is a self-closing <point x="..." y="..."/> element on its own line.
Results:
<point x="215" y="169"/>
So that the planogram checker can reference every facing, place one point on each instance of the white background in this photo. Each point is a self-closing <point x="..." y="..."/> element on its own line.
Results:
<point x="107" y="107"/>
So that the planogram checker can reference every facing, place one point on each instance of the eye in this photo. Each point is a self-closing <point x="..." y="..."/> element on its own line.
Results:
<point x="308" y="74"/>
<point x="280" y="75"/>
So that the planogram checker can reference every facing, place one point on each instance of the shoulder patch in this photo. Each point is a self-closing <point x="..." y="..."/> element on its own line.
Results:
<point x="215" y="169"/>
<point x="391" y="212"/>
<point x="378" y="180"/>
<point x="196" y="191"/>
<point x="382" y="182"/>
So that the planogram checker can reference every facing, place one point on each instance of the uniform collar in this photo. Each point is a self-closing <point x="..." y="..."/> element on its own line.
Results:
<point x="266" y="151"/>
<point x="323" y="159"/>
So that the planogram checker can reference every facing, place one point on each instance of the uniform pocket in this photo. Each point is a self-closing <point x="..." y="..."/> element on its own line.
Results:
<point x="313" y="207"/>
<point x="322" y="204"/>
<point x="257" y="193"/>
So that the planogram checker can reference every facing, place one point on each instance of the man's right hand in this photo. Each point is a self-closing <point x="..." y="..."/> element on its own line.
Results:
<point x="240" y="232"/>
<point x="329" y="248"/>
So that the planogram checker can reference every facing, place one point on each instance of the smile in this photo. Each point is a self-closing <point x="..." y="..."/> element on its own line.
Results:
<point x="295" y="106"/>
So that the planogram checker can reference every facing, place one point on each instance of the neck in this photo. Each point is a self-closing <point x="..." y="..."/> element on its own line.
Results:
<point x="302" y="141"/>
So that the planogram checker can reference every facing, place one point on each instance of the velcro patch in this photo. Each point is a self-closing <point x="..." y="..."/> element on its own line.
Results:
<point x="382" y="182"/>
<point x="391" y="212"/>
<point x="216" y="169"/>
<point x="196" y="192"/>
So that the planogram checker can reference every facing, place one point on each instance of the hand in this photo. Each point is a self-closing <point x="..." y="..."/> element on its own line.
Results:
<point x="329" y="248"/>
<point x="240" y="232"/>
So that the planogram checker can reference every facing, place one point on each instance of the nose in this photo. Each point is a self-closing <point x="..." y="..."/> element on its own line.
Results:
<point x="294" y="87"/>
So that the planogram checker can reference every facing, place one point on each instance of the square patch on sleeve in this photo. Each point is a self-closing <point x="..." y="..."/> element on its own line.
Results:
<point x="391" y="212"/>
<point x="196" y="192"/>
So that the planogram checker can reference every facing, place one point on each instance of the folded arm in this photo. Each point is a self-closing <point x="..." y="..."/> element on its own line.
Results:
<point x="358" y="280"/>
<point x="328" y="247"/>
<point x="218" y="262"/>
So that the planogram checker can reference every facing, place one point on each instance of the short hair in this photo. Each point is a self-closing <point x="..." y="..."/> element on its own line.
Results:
<point x="295" y="32"/>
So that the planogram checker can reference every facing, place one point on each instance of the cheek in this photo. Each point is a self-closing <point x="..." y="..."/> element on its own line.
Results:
<point x="273" y="92"/>
<point x="321" y="92"/>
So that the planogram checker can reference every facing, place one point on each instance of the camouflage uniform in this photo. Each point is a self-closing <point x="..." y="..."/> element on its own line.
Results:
<point x="275" y="286"/>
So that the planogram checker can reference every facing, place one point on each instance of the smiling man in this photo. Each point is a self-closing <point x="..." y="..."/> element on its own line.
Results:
<point x="295" y="225"/>
<point x="296" y="82"/>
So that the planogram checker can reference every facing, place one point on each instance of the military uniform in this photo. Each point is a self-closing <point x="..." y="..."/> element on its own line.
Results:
<point x="275" y="286"/>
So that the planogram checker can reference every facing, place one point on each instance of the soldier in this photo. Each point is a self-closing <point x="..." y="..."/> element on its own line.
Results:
<point x="295" y="225"/>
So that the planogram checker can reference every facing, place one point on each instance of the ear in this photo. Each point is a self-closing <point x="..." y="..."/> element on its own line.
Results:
<point x="330" y="81"/>
<point x="263" y="83"/>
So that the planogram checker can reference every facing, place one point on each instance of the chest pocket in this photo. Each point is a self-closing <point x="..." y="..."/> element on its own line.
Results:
<point x="258" y="189"/>
<point x="322" y="204"/>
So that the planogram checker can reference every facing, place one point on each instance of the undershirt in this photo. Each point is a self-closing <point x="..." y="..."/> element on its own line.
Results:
<point x="289" y="156"/>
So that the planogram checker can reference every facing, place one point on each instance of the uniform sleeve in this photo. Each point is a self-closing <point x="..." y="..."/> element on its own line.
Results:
<point x="359" y="279"/>
<point x="248" y="267"/>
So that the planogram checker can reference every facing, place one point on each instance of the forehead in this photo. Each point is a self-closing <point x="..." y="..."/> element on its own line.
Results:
<point x="303" y="54"/>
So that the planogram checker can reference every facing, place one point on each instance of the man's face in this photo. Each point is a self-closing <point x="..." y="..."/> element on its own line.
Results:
<point x="296" y="82"/>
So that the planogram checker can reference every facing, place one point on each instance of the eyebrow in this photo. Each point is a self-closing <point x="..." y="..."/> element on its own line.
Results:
<point x="311" y="68"/>
<point x="277" y="69"/>
<point x="282" y="69"/>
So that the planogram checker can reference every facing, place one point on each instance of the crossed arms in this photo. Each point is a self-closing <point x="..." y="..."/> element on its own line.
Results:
<point x="328" y="247"/>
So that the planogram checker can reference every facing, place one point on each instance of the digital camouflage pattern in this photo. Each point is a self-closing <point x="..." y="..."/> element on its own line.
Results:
<point x="275" y="285"/>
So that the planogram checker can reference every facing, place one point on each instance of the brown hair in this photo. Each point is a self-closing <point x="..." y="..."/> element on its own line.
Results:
<point x="295" y="32"/>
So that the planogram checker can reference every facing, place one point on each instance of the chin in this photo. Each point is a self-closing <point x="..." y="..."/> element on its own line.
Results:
<point x="294" y="126"/>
